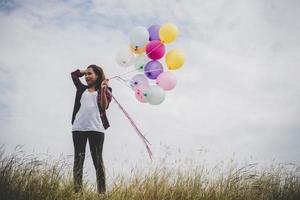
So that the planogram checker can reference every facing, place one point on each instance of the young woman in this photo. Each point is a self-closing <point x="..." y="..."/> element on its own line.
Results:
<point x="89" y="122"/>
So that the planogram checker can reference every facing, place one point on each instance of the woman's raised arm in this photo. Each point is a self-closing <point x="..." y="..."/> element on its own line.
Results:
<point x="75" y="77"/>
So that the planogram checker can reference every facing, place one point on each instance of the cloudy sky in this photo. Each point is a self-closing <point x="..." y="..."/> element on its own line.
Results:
<point x="237" y="94"/>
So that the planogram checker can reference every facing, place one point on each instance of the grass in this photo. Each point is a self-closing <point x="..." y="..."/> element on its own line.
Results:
<point x="28" y="177"/>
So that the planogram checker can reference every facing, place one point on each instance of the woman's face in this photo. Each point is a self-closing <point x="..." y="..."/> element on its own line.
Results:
<point x="90" y="76"/>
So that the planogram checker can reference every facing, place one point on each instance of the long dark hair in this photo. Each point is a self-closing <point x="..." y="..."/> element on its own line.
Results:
<point x="100" y="75"/>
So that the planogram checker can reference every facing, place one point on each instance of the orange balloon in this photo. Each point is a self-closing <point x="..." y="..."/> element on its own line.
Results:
<point x="138" y="50"/>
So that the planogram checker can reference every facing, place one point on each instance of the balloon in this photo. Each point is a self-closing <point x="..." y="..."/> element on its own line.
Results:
<point x="168" y="33"/>
<point x="155" y="49"/>
<point x="140" y="96"/>
<point x="139" y="92"/>
<point x="140" y="62"/>
<point x="166" y="80"/>
<point x="138" y="50"/>
<point x="139" y="37"/>
<point x="154" y="95"/>
<point x="139" y="81"/>
<point x="125" y="57"/>
<point x="174" y="59"/>
<point x="153" y="69"/>
<point x="154" y="32"/>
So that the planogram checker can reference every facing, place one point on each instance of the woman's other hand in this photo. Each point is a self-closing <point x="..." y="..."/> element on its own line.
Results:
<point x="104" y="84"/>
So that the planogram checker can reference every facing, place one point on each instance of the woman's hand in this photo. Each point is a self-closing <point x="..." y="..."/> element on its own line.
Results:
<point x="82" y="71"/>
<point x="103" y="99"/>
<point x="104" y="84"/>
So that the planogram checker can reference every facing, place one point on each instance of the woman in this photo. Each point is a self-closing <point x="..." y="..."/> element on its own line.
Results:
<point x="89" y="122"/>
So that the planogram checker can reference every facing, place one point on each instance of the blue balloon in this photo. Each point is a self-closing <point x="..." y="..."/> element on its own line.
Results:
<point x="154" y="32"/>
<point x="153" y="69"/>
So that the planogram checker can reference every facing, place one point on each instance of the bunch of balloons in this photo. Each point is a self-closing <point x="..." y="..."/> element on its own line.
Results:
<point x="146" y="49"/>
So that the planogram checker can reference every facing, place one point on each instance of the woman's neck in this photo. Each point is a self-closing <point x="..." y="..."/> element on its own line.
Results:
<point x="91" y="88"/>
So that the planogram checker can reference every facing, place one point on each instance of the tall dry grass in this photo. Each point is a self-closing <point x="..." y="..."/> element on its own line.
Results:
<point x="29" y="177"/>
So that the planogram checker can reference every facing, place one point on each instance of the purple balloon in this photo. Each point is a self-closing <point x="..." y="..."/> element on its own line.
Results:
<point x="153" y="69"/>
<point x="154" y="32"/>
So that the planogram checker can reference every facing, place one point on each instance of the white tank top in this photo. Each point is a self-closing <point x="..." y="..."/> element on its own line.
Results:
<point x="88" y="116"/>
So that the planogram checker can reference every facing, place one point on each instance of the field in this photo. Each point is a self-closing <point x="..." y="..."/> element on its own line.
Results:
<point x="28" y="177"/>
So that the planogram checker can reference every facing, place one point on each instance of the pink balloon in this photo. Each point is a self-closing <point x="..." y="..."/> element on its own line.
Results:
<point x="155" y="49"/>
<point x="139" y="92"/>
<point x="166" y="80"/>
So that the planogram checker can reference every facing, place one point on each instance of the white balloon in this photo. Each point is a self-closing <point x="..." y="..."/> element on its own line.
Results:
<point x="139" y="81"/>
<point x="125" y="57"/>
<point x="139" y="37"/>
<point x="155" y="95"/>
<point x="140" y="62"/>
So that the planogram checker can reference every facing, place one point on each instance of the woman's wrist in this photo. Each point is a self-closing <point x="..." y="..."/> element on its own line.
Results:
<point x="82" y="71"/>
<point x="104" y="88"/>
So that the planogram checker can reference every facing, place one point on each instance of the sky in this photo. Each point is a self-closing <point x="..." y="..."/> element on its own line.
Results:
<point x="237" y="95"/>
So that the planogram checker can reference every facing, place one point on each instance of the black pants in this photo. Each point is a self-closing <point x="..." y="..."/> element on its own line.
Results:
<point x="96" y="140"/>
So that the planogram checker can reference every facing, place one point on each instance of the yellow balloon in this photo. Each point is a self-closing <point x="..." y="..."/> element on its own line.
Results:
<point x="138" y="50"/>
<point x="168" y="33"/>
<point x="174" y="59"/>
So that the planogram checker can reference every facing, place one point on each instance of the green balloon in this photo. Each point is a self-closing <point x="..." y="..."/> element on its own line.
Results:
<point x="155" y="95"/>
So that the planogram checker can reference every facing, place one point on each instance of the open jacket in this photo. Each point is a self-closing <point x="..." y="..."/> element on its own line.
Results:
<point x="80" y="89"/>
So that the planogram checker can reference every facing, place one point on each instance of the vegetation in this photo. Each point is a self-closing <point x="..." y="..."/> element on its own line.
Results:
<point x="27" y="177"/>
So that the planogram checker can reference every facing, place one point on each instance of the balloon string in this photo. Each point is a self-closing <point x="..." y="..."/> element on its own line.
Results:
<point x="144" y="139"/>
<point x="123" y="79"/>
<point x="123" y="82"/>
<point x="119" y="76"/>
<point x="136" y="69"/>
<point x="116" y="76"/>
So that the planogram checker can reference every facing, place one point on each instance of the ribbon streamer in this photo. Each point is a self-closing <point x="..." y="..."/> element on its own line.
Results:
<point x="144" y="139"/>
